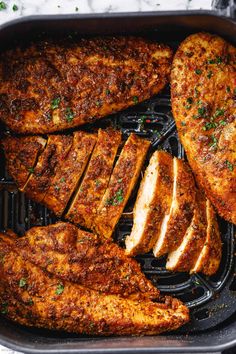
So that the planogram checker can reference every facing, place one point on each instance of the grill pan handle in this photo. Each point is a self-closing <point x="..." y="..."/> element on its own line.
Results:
<point x="225" y="8"/>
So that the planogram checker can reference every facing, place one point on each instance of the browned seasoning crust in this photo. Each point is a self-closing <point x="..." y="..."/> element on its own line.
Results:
<point x="32" y="298"/>
<point x="21" y="155"/>
<point x="84" y="206"/>
<point x="209" y="259"/>
<point x="203" y="83"/>
<point x="50" y="86"/>
<point x="121" y="184"/>
<point x="69" y="172"/>
<point x="84" y="258"/>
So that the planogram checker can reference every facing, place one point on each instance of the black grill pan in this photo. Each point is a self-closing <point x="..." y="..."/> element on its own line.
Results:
<point x="212" y="301"/>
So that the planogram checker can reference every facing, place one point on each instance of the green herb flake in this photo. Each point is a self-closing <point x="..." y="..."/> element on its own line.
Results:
<point x="198" y="71"/>
<point x="189" y="100"/>
<point x="4" y="308"/>
<point x="76" y="9"/>
<point x="196" y="92"/>
<point x="22" y="282"/>
<point x="135" y="100"/>
<point x="14" y="7"/>
<point x="59" y="289"/>
<point x="2" y="257"/>
<point x="69" y="115"/>
<point x="62" y="180"/>
<point x="55" y="103"/>
<point x="56" y="187"/>
<point x="229" y="165"/>
<point x="108" y="92"/>
<point x="183" y="124"/>
<point x="210" y="125"/>
<point x="201" y="112"/>
<point x="222" y="122"/>
<point x="98" y="103"/>
<point x="228" y="89"/>
<point x="116" y="199"/>
<point x="31" y="170"/>
<point x="97" y="182"/>
<point x="209" y="74"/>
<point x="3" y="6"/>
<point x="214" y="141"/>
<point x="219" y="112"/>
<point x="30" y="302"/>
<point x="218" y="60"/>
<point x="211" y="61"/>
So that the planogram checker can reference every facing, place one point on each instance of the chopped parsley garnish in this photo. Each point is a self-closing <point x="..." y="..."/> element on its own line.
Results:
<point x="222" y="122"/>
<point x="229" y="165"/>
<point x="59" y="289"/>
<point x="201" y="112"/>
<point x="56" y="187"/>
<point x="14" y="7"/>
<point x="219" y="112"/>
<point x="69" y="114"/>
<point x="183" y="124"/>
<point x="190" y="100"/>
<point x="98" y="103"/>
<point x="97" y="182"/>
<point x="62" y="180"/>
<point x="228" y="89"/>
<point x="214" y="141"/>
<point x="108" y="92"/>
<point x="135" y="99"/>
<point x="209" y="74"/>
<point x="211" y="61"/>
<point x="210" y="125"/>
<point x="198" y="71"/>
<point x="55" y="103"/>
<point x="22" y="282"/>
<point x="4" y="308"/>
<point x="116" y="199"/>
<point x="3" y="6"/>
<point x="31" y="170"/>
<point x="217" y="60"/>
<point x="142" y="119"/>
<point x="30" y="302"/>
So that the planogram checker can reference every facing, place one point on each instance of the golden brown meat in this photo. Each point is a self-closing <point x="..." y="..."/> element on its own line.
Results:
<point x="53" y="86"/>
<point x="84" y="206"/>
<point x="30" y="297"/>
<point x="203" y="102"/>
<point x="21" y="155"/>
<point x="41" y="176"/>
<point x="84" y="258"/>
<point x="121" y="184"/>
<point x="69" y="172"/>
<point x="152" y="204"/>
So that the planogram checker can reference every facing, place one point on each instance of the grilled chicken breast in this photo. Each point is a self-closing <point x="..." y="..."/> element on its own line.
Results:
<point x="84" y="258"/>
<point x="203" y="103"/>
<point x="21" y="155"/>
<point x="181" y="212"/>
<point x="69" y="172"/>
<point x="29" y="296"/>
<point x="121" y="184"/>
<point x="209" y="258"/>
<point x="152" y="204"/>
<point x="51" y="86"/>
<point x="48" y="162"/>
<point x="83" y="208"/>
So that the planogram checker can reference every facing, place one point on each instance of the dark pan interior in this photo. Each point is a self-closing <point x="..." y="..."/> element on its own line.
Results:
<point x="212" y="300"/>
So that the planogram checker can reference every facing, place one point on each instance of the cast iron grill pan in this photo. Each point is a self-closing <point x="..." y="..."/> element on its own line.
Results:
<point x="211" y="300"/>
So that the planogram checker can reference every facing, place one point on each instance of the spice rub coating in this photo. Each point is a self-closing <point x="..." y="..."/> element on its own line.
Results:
<point x="84" y="206"/>
<point x="203" y="88"/>
<point x="50" y="86"/>
<point x="123" y="179"/>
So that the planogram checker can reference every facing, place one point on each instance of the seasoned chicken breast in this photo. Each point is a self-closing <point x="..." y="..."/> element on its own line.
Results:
<point x="21" y="156"/>
<point x="121" y="184"/>
<point x="175" y="223"/>
<point x="203" y="103"/>
<point x="50" y="86"/>
<point x="69" y="172"/>
<point x="83" y="208"/>
<point x="209" y="258"/>
<point x="41" y="176"/>
<point x="86" y="259"/>
<point x="29" y="296"/>
<point x="185" y="256"/>
<point x="152" y="204"/>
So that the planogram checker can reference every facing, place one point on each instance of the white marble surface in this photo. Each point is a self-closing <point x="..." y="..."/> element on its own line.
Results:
<point x="37" y="7"/>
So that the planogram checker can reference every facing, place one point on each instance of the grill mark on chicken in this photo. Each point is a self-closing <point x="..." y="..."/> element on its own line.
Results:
<point x="123" y="179"/>
<point x="69" y="172"/>
<point x="203" y="103"/>
<point x="84" y="206"/>
<point x="50" y="86"/>
<point x="153" y="202"/>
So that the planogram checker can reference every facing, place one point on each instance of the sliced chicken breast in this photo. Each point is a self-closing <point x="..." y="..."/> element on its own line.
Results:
<point x="175" y="224"/>
<point x="69" y="172"/>
<point x="84" y="205"/>
<point x="186" y="255"/>
<point x="209" y="259"/>
<point x="21" y="156"/>
<point x="40" y="179"/>
<point x="122" y="182"/>
<point x="152" y="204"/>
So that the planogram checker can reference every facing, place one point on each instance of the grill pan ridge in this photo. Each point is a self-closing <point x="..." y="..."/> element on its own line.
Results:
<point x="212" y="300"/>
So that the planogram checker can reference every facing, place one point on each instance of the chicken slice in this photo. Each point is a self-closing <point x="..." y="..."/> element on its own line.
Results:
<point x="69" y="172"/>
<point x="175" y="223"/>
<point x="152" y="204"/>
<point x="209" y="258"/>
<point x="186" y="255"/>
<point x="84" y="206"/>
<point x="121" y="184"/>
<point x="29" y="296"/>
<point x="41" y="176"/>
<point x="86" y="259"/>
<point x="21" y="155"/>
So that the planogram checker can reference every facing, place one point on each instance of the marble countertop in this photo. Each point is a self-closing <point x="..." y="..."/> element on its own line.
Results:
<point x="12" y="9"/>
